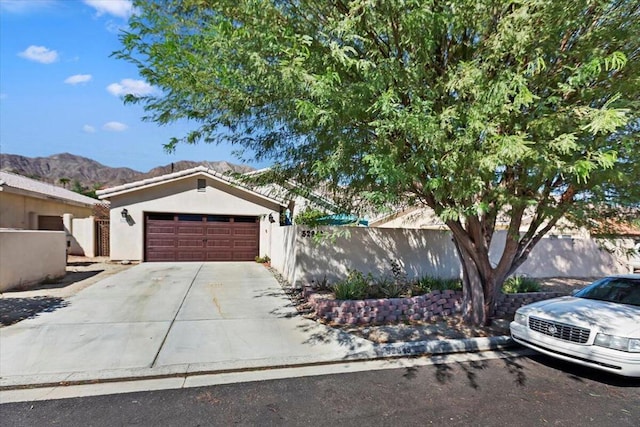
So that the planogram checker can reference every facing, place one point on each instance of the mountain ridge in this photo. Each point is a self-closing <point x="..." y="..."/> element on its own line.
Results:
<point x="82" y="173"/>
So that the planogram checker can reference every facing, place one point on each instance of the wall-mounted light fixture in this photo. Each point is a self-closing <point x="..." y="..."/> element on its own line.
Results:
<point x="124" y="213"/>
<point x="271" y="220"/>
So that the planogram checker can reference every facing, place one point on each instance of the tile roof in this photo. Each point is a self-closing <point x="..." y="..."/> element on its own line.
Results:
<point x="10" y="181"/>
<point x="132" y="186"/>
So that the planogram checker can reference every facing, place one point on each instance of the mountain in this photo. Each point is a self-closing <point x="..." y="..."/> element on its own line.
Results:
<point x="89" y="174"/>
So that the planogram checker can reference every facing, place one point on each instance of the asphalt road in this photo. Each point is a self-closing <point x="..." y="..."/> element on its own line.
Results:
<point x="527" y="391"/>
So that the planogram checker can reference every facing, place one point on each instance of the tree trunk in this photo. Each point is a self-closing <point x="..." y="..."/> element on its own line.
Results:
<point x="480" y="291"/>
<point x="473" y="302"/>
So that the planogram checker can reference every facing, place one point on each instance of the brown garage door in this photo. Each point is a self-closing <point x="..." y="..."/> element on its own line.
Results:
<point x="189" y="237"/>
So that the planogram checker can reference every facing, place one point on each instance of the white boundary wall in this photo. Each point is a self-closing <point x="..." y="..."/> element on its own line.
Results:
<point x="27" y="257"/>
<point x="301" y="259"/>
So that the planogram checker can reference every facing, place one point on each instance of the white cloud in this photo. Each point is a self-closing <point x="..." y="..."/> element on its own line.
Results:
<point x="119" y="8"/>
<point x="88" y="129"/>
<point x="78" y="78"/>
<point x="115" y="127"/>
<point x="24" y="6"/>
<point x="39" y="54"/>
<point x="130" y="87"/>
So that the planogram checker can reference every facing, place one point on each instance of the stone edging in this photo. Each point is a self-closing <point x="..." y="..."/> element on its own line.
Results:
<point x="428" y="307"/>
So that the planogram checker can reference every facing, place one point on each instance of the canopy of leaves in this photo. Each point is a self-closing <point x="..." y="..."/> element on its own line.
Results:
<point x="470" y="106"/>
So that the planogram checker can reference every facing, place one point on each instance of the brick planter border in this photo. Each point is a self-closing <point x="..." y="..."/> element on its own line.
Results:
<point x="428" y="307"/>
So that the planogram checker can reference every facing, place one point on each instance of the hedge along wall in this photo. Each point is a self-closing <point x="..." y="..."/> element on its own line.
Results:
<point x="428" y="307"/>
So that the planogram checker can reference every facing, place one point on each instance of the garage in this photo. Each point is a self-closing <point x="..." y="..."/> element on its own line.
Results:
<point x="201" y="237"/>
<point x="192" y="215"/>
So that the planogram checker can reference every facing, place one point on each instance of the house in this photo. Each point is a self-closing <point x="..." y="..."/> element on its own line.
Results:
<point x="36" y="230"/>
<point x="27" y="204"/>
<point x="196" y="214"/>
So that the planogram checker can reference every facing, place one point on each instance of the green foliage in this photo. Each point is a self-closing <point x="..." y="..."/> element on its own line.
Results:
<point x="426" y="284"/>
<point x="263" y="260"/>
<point x="491" y="107"/>
<point x="355" y="286"/>
<point x="309" y="217"/>
<point x="520" y="284"/>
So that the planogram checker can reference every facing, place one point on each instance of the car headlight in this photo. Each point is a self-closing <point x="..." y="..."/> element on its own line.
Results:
<point x="618" y="343"/>
<point x="520" y="318"/>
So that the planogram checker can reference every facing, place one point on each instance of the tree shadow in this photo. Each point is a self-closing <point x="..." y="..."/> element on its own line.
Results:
<point x="14" y="310"/>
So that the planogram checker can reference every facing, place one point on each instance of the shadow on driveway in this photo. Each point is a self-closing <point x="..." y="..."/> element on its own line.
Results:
<point x="13" y="310"/>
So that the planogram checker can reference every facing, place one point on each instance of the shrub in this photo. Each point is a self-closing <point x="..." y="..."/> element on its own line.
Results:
<point x="355" y="286"/>
<point x="309" y="217"/>
<point x="263" y="260"/>
<point x="426" y="284"/>
<point x="387" y="287"/>
<point x="520" y="284"/>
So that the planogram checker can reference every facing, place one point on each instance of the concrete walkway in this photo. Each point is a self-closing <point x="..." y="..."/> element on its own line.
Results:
<point x="163" y="320"/>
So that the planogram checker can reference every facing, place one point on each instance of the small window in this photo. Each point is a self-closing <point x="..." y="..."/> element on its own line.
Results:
<point x="218" y="218"/>
<point x="190" y="217"/>
<point x="202" y="185"/>
<point x="244" y="219"/>
<point x="160" y="216"/>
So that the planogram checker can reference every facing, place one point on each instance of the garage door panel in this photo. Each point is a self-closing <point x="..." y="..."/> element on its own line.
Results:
<point x="161" y="256"/>
<point x="161" y="243"/>
<point x="209" y="240"/>
<point x="190" y="230"/>
<point x="190" y="243"/>
<point x="187" y="255"/>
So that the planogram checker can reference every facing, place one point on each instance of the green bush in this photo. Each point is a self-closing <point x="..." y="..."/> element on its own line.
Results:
<point x="309" y="217"/>
<point x="355" y="286"/>
<point x="263" y="260"/>
<point x="520" y="284"/>
<point x="426" y="284"/>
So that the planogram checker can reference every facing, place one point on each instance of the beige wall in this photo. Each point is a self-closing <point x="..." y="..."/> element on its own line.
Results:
<point x="181" y="196"/>
<point x="301" y="259"/>
<point x="15" y="210"/>
<point x="28" y="257"/>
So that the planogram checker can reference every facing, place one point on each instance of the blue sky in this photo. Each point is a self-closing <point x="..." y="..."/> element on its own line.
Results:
<point x="60" y="91"/>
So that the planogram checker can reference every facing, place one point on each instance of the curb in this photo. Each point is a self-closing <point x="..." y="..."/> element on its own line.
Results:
<point x="378" y="352"/>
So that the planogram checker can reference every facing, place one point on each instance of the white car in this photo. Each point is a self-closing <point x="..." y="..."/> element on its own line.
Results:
<point x="599" y="326"/>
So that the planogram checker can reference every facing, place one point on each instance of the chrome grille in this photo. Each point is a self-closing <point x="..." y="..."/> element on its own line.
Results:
<point x="558" y="330"/>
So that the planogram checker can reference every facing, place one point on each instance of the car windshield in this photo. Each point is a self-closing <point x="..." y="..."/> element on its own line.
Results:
<point x="613" y="289"/>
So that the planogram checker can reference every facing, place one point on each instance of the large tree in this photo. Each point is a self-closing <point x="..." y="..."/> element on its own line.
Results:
<point x="474" y="108"/>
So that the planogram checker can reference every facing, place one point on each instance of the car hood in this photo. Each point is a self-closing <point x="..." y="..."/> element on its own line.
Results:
<point x="608" y="317"/>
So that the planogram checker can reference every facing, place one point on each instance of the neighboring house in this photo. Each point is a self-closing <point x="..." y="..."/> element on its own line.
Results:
<point x="415" y="217"/>
<point x="27" y="204"/>
<point x="36" y="230"/>
<point x="192" y="215"/>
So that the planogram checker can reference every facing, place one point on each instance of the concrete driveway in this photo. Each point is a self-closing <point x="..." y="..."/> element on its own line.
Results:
<point x="170" y="318"/>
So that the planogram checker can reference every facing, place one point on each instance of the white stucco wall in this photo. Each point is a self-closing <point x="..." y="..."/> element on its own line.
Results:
<point x="301" y="259"/>
<point x="181" y="196"/>
<point x="83" y="237"/>
<point x="28" y="257"/>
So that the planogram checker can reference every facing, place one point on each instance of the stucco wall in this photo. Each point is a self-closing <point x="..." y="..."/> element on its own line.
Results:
<point x="28" y="257"/>
<point x="180" y="196"/>
<point x="83" y="237"/>
<point x="15" y="209"/>
<point x="302" y="259"/>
